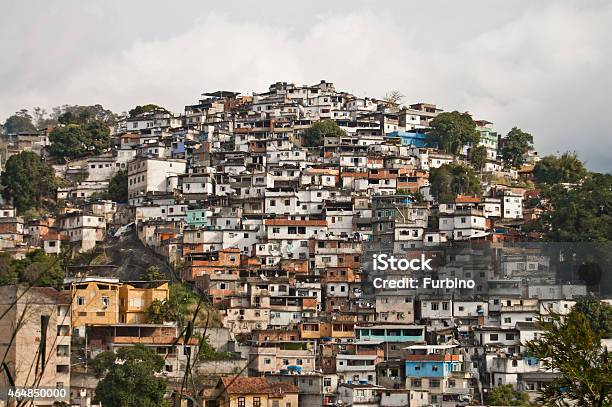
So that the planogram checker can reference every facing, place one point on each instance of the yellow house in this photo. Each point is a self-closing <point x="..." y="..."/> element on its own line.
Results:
<point x="95" y="301"/>
<point x="245" y="391"/>
<point x="136" y="296"/>
<point x="107" y="301"/>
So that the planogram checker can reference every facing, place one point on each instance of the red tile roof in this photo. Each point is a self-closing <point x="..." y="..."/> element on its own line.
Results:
<point x="256" y="385"/>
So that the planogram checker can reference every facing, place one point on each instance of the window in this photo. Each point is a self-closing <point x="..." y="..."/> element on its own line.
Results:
<point x="80" y="300"/>
<point x="507" y="320"/>
<point x="256" y="402"/>
<point x="445" y="306"/>
<point x="105" y="302"/>
<point x="267" y="361"/>
<point x="493" y="337"/>
<point x="63" y="369"/>
<point x="510" y="337"/>
<point x="63" y="350"/>
<point x="241" y="402"/>
<point x="434" y="306"/>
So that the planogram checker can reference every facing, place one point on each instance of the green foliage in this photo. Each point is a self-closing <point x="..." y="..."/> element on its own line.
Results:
<point x="554" y="169"/>
<point x="118" y="187"/>
<point x="517" y="144"/>
<point x="180" y="299"/>
<point x="451" y="180"/>
<point x="82" y="115"/>
<point x="506" y="396"/>
<point x="590" y="273"/>
<point x="131" y="383"/>
<point x="207" y="352"/>
<point x="101" y="363"/>
<point x="569" y="346"/>
<point x="8" y="274"/>
<point x="35" y="269"/>
<point x="76" y="140"/>
<point x="20" y="122"/>
<point x="598" y="315"/>
<point x="478" y="157"/>
<point x="153" y="273"/>
<point x="28" y="181"/>
<point x="138" y="110"/>
<point x="315" y="134"/>
<point x="160" y="312"/>
<point x="579" y="213"/>
<point x="453" y="130"/>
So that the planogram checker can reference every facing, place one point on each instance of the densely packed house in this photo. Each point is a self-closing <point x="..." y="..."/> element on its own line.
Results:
<point x="279" y="233"/>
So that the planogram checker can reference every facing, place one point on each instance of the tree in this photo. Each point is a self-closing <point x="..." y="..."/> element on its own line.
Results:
<point x="36" y="269"/>
<point x="590" y="273"/>
<point x="81" y="115"/>
<point x="129" y="378"/>
<point x="28" y="181"/>
<point x="159" y="312"/>
<point x="153" y="273"/>
<point x="441" y="181"/>
<point x="569" y="346"/>
<point x="453" y="130"/>
<point x="517" y="144"/>
<point x="478" y="157"/>
<point x="138" y="110"/>
<point x="180" y="300"/>
<point x="41" y="119"/>
<point x="76" y="140"/>
<point x="68" y="142"/>
<point x="566" y="168"/>
<point x="598" y="315"/>
<point x="317" y="132"/>
<point x="393" y="97"/>
<point x="118" y="187"/>
<point x="506" y="396"/>
<point x="20" y="122"/>
<point x="450" y="180"/>
<point x="578" y="213"/>
<point x="8" y="275"/>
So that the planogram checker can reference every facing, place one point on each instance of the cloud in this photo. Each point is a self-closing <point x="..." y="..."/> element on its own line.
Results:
<point x="541" y="66"/>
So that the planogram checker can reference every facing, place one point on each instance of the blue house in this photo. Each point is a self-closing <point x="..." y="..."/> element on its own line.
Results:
<point x="198" y="217"/>
<point x="410" y="138"/>
<point x="432" y="361"/>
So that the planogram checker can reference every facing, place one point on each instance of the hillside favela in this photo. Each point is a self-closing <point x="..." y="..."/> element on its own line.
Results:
<point x="299" y="246"/>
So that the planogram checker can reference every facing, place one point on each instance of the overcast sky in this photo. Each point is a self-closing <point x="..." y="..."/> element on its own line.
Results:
<point x="544" y="66"/>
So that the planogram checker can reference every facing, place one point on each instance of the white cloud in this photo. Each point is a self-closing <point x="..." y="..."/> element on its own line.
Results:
<point x="541" y="66"/>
